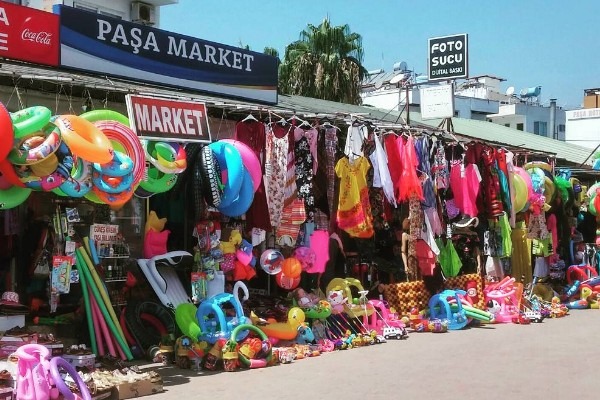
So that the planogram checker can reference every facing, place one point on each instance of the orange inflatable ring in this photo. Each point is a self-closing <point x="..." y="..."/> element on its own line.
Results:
<point x="113" y="199"/>
<point x="85" y="139"/>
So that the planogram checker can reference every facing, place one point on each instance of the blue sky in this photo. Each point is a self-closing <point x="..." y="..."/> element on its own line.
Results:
<point x="551" y="43"/>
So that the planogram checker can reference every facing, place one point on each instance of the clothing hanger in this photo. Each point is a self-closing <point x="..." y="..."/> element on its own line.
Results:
<point x="326" y="124"/>
<point x="305" y="124"/>
<point x="250" y="117"/>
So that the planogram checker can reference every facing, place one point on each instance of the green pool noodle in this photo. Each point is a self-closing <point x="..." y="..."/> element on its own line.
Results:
<point x="105" y="310"/>
<point x="102" y="290"/>
<point x="88" y="306"/>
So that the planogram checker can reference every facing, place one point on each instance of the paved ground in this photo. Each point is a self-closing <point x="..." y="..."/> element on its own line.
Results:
<point x="557" y="359"/>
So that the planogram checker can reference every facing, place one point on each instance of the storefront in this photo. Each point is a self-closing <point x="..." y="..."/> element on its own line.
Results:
<point x="182" y="195"/>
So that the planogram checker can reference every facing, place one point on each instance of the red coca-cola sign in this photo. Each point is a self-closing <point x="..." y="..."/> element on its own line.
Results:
<point x="27" y="34"/>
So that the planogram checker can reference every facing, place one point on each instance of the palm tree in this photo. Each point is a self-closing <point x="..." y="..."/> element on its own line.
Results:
<point x="326" y="63"/>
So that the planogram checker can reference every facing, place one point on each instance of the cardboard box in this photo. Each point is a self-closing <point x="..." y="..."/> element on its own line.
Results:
<point x="137" y="389"/>
<point x="6" y="393"/>
<point x="9" y="344"/>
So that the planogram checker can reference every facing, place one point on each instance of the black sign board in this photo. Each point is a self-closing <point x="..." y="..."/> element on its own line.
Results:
<point x="448" y="57"/>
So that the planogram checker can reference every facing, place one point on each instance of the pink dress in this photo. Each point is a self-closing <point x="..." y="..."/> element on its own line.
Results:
<point x="465" y="184"/>
<point x="410" y="183"/>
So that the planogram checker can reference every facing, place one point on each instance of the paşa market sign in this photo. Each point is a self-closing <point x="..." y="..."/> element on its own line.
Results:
<point x="448" y="57"/>
<point x="28" y="35"/>
<point x="102" y="44"/>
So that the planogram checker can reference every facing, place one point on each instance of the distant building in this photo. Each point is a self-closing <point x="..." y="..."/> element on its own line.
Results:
<point x="583" y="125"/>
<point x="479" y="98"/>
<point x="145" y="12"/>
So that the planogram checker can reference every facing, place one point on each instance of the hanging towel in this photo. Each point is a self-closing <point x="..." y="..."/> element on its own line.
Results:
<point x="383" y="172"/>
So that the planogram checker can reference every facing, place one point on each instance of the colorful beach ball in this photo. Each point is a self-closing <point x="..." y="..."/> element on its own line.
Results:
<point x="271" y="261"/>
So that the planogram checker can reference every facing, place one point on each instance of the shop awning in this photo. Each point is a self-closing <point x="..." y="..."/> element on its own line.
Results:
<point x="39" y="78"/>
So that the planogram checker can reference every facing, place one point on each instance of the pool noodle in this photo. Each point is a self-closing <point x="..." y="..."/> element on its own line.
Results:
<point x="97" y="328"/>
<point x="93" y="251"/>
<point x="102" y="290"/>
<point x="104" y="309"/>
<point x="104" y="299"/>
<point x="87" y="304"/>
<point x="104" y="330"/>
<point x="119" y="349"/>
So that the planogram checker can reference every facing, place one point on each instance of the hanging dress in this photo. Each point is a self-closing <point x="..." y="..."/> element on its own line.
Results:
<point x="276" y="169"/>
<point x="392" y="149"/>
<point x="354" y="211"/>
<point x="410" y="183"/>
<point x="331" y="144"/>
<point x="305" y="149"/>
<point x="383" y="171"/>
<point x="252" y="133"/>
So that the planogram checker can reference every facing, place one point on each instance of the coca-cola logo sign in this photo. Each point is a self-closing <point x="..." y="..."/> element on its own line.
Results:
<point x="40" y="37"/>
<point x="37" y="41"/>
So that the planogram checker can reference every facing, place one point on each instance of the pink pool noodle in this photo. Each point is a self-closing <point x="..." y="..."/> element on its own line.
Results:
<point x="97" y="332"/>
<point x="103" y="328"/>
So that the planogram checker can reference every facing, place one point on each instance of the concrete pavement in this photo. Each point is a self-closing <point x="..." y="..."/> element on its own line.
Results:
<point x="557" y="359"/>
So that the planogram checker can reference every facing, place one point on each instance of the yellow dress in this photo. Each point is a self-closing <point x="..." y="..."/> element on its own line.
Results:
<point x="354" y="210"/>
<point x="521" y="254"/>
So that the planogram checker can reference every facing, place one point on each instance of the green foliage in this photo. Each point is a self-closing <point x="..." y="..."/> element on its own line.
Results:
<point x="325" y="63"/>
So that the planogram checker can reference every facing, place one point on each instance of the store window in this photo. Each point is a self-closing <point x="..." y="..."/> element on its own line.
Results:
<point x="561" y="128"/>
<point x="540" y="128"/>
<point x="520" y="127"/>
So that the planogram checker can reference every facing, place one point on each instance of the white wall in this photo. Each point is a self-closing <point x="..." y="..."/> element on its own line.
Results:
<point x="528" y="114"/>
<point x="120" y="8"/>
<point x="583" y="127"/>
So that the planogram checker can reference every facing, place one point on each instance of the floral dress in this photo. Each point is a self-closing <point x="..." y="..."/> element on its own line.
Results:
<point x="275" y="170"/>
<point x="305" y="161"/>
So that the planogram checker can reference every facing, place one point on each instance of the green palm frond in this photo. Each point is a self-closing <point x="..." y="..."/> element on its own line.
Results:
<point x="326" y="63"/>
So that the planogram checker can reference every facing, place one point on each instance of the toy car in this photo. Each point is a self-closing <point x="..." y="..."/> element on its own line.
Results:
<point x="521" y="319"/>
<point x="392" y="332"/>
<point x="534" y="316"/>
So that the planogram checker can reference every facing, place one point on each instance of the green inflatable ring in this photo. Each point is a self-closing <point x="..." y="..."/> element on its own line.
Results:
<point x="254" y="363"/>
<point x="13" y="196"/>
<point x="319" y="311"/>
<point x="157" y="181"/>
<point x="105" y="115"/>
<point x="30" y="120"/>
<point x="185" y="316"/>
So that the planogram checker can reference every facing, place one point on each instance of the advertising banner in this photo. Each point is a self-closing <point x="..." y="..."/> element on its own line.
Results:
<point x="448" y="57"/>
<point x="165" y="119"/>
<point x="27" y="34"/>
<point x="110" y="46"/>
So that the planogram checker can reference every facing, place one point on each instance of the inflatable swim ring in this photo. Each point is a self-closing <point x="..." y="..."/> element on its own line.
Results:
<point x="13" y="196"/>
<point x="230" y="161"/>
<point x="245" y="197"/>
<point x="85" y="139"/>
<point x="210" y="172"/>
<point x="7" y="134"/>
<point x="250" y="161"/>
<point x="36" y="148"/>
<point x="123" y="139"/>
<point x="170" y="158"/>
<point x="120" y="165"/>
<point x="30" y="120"/>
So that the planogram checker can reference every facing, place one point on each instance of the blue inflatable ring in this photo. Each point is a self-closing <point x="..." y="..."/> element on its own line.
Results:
<point x="229" y="160"/>
<point x="244" y="200"/>
<point x="120" y="165"/>
<point x="121" y="183"/>
<point x="80" y="182"/>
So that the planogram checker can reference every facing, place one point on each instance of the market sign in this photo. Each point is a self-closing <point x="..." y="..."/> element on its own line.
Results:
<point x="28" y="35"/>
<point x="448" y="57"/>
<point x="96" y="43"/>
<point x="165" y="119"/>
